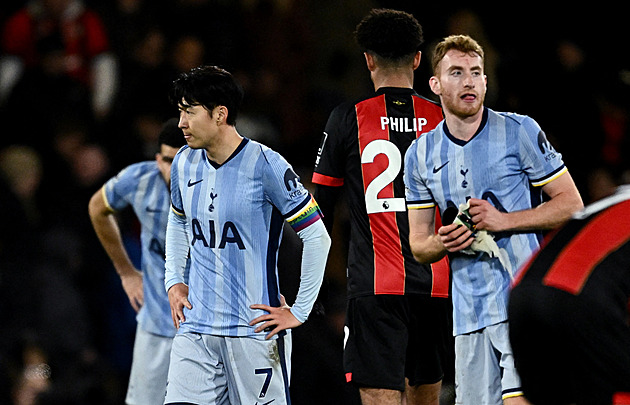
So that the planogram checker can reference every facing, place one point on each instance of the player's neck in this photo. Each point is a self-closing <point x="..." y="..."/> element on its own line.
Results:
<point x="224" y="145"/>
<point x="389" y="79"/>
<point x="463" y="128"/>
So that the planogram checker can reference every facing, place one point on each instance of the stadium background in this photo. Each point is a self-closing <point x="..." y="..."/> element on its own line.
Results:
<point x="60" y="298"/>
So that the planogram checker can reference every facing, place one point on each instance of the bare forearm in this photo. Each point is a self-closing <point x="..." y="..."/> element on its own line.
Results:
<point x="427" y="249"/>
<point x="548" y="215"/>
<point x="425" y="244"/>
<point x="564" y="201"/>
<point x="108" y="233"/>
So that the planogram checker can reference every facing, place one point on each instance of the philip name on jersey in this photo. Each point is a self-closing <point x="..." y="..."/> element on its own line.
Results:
<point x="403" y="124"/>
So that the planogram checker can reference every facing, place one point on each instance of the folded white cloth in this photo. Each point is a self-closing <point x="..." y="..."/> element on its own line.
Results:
<point x="484" y="240"/>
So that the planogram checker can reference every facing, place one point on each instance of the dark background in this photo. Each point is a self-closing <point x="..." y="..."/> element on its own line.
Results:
<point x="62" y="303"/>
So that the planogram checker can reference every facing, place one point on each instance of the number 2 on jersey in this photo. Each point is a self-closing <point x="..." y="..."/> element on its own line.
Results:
<point x="373" y="203"/>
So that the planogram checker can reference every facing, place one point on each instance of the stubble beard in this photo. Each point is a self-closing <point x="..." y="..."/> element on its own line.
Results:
<point x="467" y="110"/>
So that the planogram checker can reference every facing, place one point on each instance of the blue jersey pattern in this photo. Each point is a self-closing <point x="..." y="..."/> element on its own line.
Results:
<point x="503" y="163"/>
<point x="142" y="187"/>
<point x="233" y="215"/>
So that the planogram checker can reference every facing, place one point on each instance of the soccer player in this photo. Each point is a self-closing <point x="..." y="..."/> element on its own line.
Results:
<point x="143" y="186"/>
<point x="230" y="198"/>
<point x="569" y="310"/>
<point x="396" y="326"/>
<point x="499" y="164"/>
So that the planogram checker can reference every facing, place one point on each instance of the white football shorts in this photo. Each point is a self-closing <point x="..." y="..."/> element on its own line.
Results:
<point x="207" y="369"/>
<point x="484" y="367"/>
<point x="149" y="368"/>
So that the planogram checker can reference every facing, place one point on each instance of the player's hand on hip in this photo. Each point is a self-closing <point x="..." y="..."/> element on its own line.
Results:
<point x="277" y="319"/>
<point x="486" y="216"/>
<point x="178" y="299"/>
<point x="132" y="284"/>
<point x="455" y="237"/>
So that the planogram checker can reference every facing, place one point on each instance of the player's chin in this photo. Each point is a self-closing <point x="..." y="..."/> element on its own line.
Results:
<point x="192" y="143"/>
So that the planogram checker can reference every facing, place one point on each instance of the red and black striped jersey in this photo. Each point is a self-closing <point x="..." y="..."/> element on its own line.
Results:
<point x="589" y="256"/>
<point x="363" y="149"/>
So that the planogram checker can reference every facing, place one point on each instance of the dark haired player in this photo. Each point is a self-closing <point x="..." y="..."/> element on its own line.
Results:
<point x="230" y="198"/>
<point x="569" y="310"/>
<point x="396" y="326"/>
<point x="145" y="187"/>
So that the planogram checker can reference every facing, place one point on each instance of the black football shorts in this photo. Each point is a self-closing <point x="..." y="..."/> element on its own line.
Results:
<point x="390" y="337"/>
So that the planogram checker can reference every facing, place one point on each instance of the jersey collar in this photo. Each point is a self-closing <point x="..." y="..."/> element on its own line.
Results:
<point x="461" y="142"/>
<point x="395" y="90"/>
<point x="236" y="151"/>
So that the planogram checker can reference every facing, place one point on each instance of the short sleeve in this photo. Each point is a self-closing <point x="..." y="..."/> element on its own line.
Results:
<point x="120" y="189"/>
<point x="176" y="194"/>
<point x="283" y="187"/>
<point x="330" y="162"/>
<point x="540" y="161"/>
<point x="417" y="194"/>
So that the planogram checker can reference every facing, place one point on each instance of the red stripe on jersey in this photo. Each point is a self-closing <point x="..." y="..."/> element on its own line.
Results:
<point x="432" y="115"/>
<point x="601" y="236"/>
<point x="389" y="264"/>
<point x="621" y="398"/>
<point x="440" y="269"/>
<point x="327" y="180"/>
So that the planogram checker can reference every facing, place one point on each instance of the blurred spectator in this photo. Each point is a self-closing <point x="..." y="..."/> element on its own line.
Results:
<point x="279" y="38"/>
<point x="20" y="174"/>
<point x="573" y="125"/>
<point x="86" y="56"/>
<point x="33" y="377"/>
<point x="127" y="22"/>
<point x="57" y="95"/>
<point x="21" y="169"/>
<point x="142" y="103"/>
<point x="189" y="51"/>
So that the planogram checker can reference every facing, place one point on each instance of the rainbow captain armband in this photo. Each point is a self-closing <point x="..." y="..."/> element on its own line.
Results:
<point x="305" y="215"/>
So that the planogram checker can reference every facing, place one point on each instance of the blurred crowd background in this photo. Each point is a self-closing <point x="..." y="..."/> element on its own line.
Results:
<point x="83" y="93"/>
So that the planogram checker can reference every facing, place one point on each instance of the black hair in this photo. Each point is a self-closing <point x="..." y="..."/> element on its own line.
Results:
<point x="209" y="86"/>
<point x="171" y="135"/>
<point x="390" y="34"/>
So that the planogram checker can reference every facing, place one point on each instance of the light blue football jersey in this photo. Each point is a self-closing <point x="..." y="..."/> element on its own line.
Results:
<point x="233" y="215"/>
<point x="142" y="187"/>
<point x="506" y="162"/>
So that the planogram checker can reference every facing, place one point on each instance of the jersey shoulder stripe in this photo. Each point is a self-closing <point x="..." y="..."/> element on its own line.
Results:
<point x="419" y="205"/>
<point x="119" y="191"/>
<point x="327" y="180"/>
<point x="306" y="215"/>
<point x="550" y="177"/>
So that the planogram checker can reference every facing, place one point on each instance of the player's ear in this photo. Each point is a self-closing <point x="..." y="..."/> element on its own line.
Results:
<point x="369" y="60"/>
<point x="416" y="60"/>
<point x="222" y="114"/>
<point x="434" y="83"/>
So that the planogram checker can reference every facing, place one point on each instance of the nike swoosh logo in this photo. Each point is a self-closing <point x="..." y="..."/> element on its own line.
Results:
<point x="266" y="403"/>
<point x="192" y="183"/>
<point x="437" y="169"/>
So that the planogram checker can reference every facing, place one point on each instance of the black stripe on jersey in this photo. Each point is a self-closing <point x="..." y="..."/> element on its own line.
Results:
<point x="236" y="151"/>
<point x="299" y="207"/>
<point x="548" y="175"/>
<point x="284" y="368"/>
<point x="180" y="211"/>
<point x="275" y="230"/>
